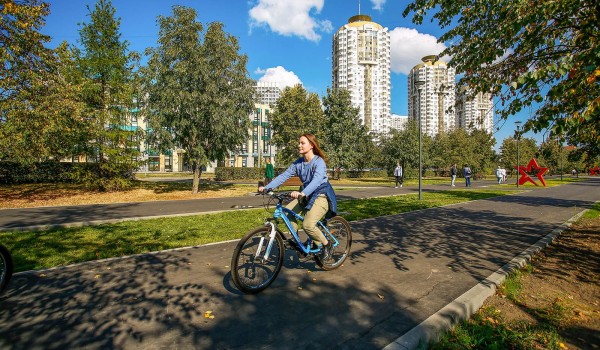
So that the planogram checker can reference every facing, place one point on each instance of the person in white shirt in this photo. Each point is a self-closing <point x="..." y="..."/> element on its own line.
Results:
<point x="398" y="175"/>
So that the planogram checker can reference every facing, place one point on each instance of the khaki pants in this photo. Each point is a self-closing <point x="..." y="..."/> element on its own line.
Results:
<point x="311" y="217"/>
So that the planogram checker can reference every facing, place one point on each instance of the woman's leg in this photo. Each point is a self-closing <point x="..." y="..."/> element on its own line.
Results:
<point x="296" y="207"/>
<point x="312" y="217"/>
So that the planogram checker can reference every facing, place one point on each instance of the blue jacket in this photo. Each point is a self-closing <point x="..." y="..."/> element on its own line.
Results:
<point x="314" y="181"/>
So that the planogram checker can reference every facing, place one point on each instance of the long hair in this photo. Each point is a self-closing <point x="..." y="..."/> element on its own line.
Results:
<point x="316" y="148"/>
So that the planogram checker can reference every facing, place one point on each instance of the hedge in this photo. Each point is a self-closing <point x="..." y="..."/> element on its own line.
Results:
<point x="97" y="176"/>
<point x="237" y="173"/>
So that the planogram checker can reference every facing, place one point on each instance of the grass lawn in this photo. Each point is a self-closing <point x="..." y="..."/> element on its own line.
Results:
<point x="63" y="246"/>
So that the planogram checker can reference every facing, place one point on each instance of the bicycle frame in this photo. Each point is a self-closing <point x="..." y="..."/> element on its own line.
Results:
<point x="280" y="213"/>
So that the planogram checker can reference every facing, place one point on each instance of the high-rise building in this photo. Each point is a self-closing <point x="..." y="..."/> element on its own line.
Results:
<point x="268" y="92"/>
<point x="398" y="122"/>
<point x="431" y="94"/>
<point x="361" y="64"/>
<point x="259" y="146"/>
<point x="475" y="112"/>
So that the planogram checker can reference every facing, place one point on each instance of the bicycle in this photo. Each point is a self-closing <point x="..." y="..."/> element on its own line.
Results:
<point x="6" y="267"/>
<point x="258" y="256"/>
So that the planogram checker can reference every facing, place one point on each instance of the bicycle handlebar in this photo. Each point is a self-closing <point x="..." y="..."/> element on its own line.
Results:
<point x="280" y="196"/>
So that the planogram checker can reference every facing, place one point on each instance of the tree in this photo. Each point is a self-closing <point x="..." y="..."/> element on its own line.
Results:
<point x="296" y="112"/>
<point x="107" y="71"/>
<point x="508" y="152"/>
<point x="344" y="132"/>
<point x="537" y="52"/>
<point x="403" y="146"/>
<point x="199" y="91"/>
<point x="23" y="57"/>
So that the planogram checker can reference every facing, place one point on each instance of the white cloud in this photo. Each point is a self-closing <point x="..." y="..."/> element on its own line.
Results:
<point x="279" y="75"/>
<point x="408" y="46"/>
<point x="378" y="4"/>
<point x="290" y="17"/>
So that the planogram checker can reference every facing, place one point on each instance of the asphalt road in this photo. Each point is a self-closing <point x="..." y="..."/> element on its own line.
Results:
<point x="403" y="269"/>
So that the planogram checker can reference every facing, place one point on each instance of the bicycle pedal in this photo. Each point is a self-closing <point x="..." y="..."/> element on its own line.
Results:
<point x="304" y="257"/>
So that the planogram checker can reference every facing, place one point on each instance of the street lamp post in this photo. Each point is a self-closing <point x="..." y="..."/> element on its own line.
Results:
<point x="518" y="124"/>
<point x="561" y="159"/>
<point x="419" y="84"/>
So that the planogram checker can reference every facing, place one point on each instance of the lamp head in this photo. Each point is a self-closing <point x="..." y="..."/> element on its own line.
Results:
<point x="518" y="124"/>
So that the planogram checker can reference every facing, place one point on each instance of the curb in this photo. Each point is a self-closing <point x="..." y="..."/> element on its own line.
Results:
<point x="463" y="307"/>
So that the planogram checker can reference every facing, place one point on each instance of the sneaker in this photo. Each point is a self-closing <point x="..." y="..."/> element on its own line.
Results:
<point x="396" y="187"/>
<point x="400" y="185"/>
<point x="326" y="252"/>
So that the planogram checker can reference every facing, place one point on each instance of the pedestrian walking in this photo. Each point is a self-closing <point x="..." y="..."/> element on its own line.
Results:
<point x="467" y="174"/>
<point x="453" y="173"/>
<point x="499" y="175"/>
<point x="503" y="175"/>
<point x="269" y="172"/>
<point x="398" y="175"/>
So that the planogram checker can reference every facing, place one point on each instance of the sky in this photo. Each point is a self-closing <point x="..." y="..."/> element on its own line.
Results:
<point x="286" y="41"/>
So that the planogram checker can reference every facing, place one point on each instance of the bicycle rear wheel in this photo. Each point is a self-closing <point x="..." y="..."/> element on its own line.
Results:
<point x="6" y="267"/>
<point x="250" y="271"/>
<point x="340" y="229"/>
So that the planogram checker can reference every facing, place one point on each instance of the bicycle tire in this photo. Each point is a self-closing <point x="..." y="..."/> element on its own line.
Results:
<point x="6" y="267"/>
<point x="340" y="228"/>
<point x="249" y="272"/>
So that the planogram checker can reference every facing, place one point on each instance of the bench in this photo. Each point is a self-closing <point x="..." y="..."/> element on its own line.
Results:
<point x="292" y="181"/>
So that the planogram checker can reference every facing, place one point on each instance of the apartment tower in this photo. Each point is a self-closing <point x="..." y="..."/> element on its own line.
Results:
<point x="475" y="112"/>
<point x="361" y="64"/>
<point x="431" y="94"/>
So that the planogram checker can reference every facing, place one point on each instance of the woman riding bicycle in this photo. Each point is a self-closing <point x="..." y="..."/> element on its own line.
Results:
<point x="316" y="197"/>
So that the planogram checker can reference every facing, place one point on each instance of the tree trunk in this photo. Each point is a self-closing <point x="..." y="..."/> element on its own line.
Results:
<point x="196" y="181"/>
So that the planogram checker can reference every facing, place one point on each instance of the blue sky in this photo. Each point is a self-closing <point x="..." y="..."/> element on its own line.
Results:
<point x="288" y="41"/>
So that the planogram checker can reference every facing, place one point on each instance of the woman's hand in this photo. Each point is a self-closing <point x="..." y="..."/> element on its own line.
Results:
<point x="296" y="194"/>
<point x="261" y="189"/>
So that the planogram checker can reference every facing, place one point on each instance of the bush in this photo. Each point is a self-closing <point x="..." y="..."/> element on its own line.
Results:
<point x="49" y="171"/>
<point x="103" y="176"/>
<point x="95" y="176"/>
<point x="237" y="173"/>
<point x="362" y="174"/>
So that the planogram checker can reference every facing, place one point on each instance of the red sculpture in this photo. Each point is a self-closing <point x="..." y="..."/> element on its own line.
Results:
<point x="595" y="171"/>
<point x="533" y="164"/>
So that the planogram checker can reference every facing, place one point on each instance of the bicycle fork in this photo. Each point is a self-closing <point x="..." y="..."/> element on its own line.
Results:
<point x="269" y="244"/>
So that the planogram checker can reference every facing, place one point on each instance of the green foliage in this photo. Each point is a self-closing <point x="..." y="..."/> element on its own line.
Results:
<point x="346" y="138"/>
<point x="103" y="176"/>
<point x="296" y="112"/>
<point x="24" y="60"/>
<point x="361" y="174"/>
<point x="458" y="146"/>
<point x="508" y="152"/>
<point x="403" y="146"/>
<point x="48" y="171"/>
<point x="106" y="72"/>
<point x="238" y="173"/>
<point x="544" y="53"/>
<point x="199" y="91"/>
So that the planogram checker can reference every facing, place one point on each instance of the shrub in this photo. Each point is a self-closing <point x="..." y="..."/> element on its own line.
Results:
<point x="237" y="173"/>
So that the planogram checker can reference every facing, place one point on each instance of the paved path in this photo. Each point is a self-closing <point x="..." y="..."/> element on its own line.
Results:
<point x="403" y="269"/>
<point x="77" y="215"/>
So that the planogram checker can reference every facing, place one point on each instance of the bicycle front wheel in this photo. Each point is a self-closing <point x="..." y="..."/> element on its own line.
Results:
<point x="6" y="267"/>
<point x="340" y="229"/>
<point x="251" y="270"/>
